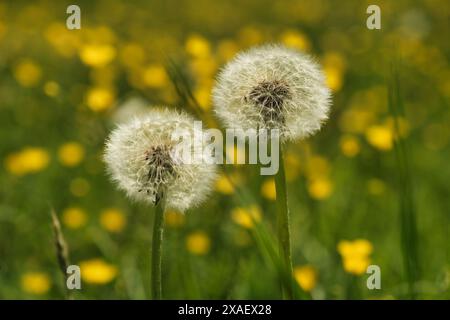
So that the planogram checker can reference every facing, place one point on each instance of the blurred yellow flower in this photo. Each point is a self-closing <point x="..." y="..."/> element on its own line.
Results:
<point x="334" y="78"/>
<point x="246" y="217"/>
<point x="295" y="39"/>
<point x="51" y="88"/>
<point x="97" y="55"/>
<point x="320" y="188"/>
<point x="380" y="137"/>
<point x="64" y="41"/>
<point x="27" y="73"/>
<point x="356" y="120"/>
<point x="97" y="271"/>
<point x="79" y="187"/>
<point x="35" y="283"/>
<point x="203" y="97"/>
<point x="355" y="255"/>
<point x="224" y="185"/>
<point x="113" y="220"/>
<point x="100" y="99"/>
<point x="174" y="219"/>
<point x="74" y="217"/>
<point x="306" y="277"/>
<point x="71" y="154"/>
<point x="349" y="145"/>
<point x="268" y="189"/>
<point x="155" y="76"/>
<point x="198" y="243"/>
<point x="375" y="186"/>
<point x="29" y="160"/>
<point x="197" y="46"/>
<point x="204" y="69"/>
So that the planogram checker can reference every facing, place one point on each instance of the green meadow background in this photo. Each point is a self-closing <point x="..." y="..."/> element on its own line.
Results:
<point x="372" y="187"/>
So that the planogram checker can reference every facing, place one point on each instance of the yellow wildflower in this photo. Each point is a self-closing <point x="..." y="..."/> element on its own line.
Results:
<point x="51" y="88"/>
<point x="35" y="283"/>
<point x="306" y="277"/>
<point x="29" y="160"/>
<point x="268" y="189"/>
<point x="197" y="46"/>
<point x="155" y="76"/>
<point x="320" y="188"/>
<point x="295" y="39"/>
<point x="27" y="73"/>
<point x="203" y="96"/>
<point x="97" y="55"/>
<point x="355" y="255"/>
<point x="198" y="243"/>
<point x="100" y="99"/>
<point x="174" y="219"/>
<point x="224" y="185"/>
<point x="334" y="78"/>
<point x="97" y="271"/>
<point x="74" y="217"/>
<point x="246" y="217"/>
<point x="349" y="145"/>
<point x="380" y="137"/>
<point x="71" y="154"/>
<point x="113" y="220"/>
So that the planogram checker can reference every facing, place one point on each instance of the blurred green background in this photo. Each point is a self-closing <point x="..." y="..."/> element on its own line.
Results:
<point x="61" y="92"/>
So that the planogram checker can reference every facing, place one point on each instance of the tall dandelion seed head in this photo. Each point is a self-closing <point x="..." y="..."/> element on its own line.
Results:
<point x="273" y="87"/>
<point x="144" y="160"/>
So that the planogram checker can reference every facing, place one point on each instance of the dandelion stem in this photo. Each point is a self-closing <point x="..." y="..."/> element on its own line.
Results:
<point x="284" y="235"/>
<point x="158" y="229"/>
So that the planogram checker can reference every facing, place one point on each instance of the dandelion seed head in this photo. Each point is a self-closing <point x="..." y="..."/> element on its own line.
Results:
<point x="144" y="160"/>
<point x="272" y="87"/>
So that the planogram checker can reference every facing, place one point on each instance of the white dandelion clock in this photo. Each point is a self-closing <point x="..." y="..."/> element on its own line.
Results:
<point x="143" y="159"/>
<point x="273" y="87"/>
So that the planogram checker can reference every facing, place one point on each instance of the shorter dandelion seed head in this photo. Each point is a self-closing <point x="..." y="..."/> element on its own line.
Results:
<point x="272" y="87"/>
<point x="143" y="159"/>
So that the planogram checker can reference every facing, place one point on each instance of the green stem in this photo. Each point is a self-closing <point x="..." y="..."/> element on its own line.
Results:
<point x="284" y="235"/>
<point x="158" y="228"/>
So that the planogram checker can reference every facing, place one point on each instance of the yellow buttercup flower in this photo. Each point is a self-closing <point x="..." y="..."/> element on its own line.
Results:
<point x="155" y="76"/>
<point x="35" y="283"/>
<point x="203" y="96"/>
<point x="268" y="189"/>
<point x="306" y="277"/>
<point x="74" y="217"/>
<point x="355" y="255"/>
<point x="246" y="217"/>
<point x="198" y="243"/>
<point x="174" y="219"/>
<point x="71" y="154"/>
<point x="29" y="160"/>
<point x="334" y="78"/>
<point x="113" y="220"/>
<point x="100" y="99"/>
<point x="380" y="137"/>
<point x="97" y="271"/>
<point x="197" y="46"/>
<point x="295" y="39"/>
<point x="320" y="188"/>
<point x="97" y="55"/>
<point x="27" y="73"/>
<point x="349" y="146"/>
<point x="51" y="88"/>
<point x="224" y="185"/>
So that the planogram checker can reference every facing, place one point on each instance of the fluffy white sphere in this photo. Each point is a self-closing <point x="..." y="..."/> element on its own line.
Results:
<point x="141" y="157"/>
<point x="272" y="87"/>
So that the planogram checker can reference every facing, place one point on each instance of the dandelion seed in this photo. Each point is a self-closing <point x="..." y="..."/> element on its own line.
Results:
<point x="142" y="158"/>
<point x="273" y="87"/>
